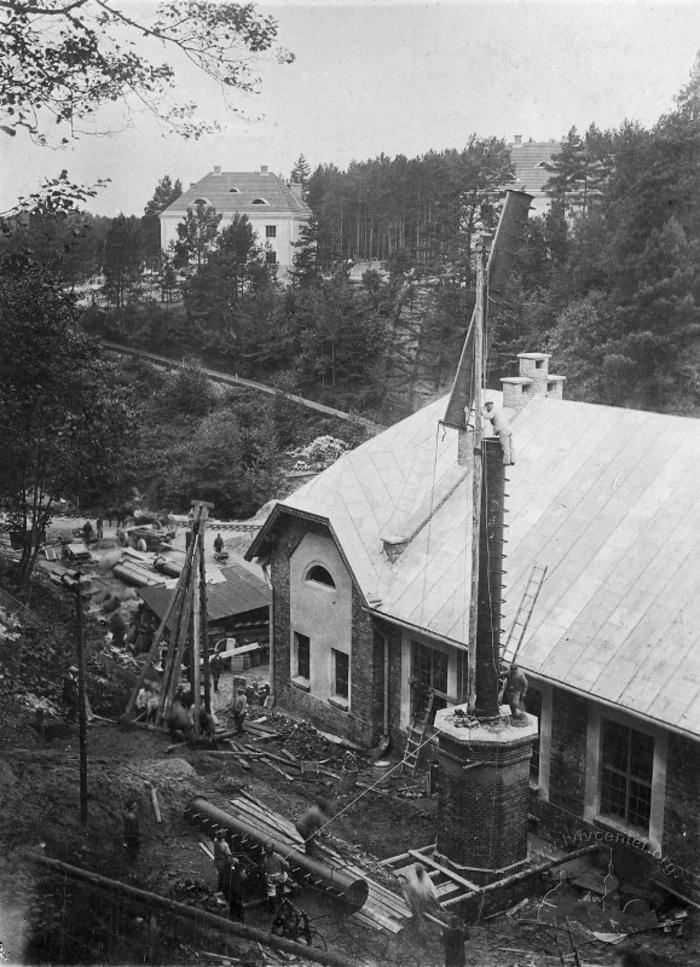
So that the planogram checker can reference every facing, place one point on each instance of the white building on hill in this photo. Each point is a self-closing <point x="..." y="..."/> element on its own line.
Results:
<point x="275" y="209"/>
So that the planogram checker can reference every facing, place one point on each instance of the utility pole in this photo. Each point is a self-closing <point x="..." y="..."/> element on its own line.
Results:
<point x="72" y="582"/>
<point x="479" y="332"/>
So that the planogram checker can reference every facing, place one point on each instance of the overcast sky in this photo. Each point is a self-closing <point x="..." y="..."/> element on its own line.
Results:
<point x="400" y="77"/>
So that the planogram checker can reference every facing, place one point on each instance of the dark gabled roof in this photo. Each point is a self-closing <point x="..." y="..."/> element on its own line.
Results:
<point x="240" y="592"/>
<point x="218" y="189"/>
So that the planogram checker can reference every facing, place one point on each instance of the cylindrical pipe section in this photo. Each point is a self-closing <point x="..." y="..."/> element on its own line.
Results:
<point x="488" y="633"/>
<point x="345" y="884"/>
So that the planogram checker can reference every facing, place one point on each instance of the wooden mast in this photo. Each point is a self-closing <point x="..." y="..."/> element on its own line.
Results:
<point x="479" y="333"/>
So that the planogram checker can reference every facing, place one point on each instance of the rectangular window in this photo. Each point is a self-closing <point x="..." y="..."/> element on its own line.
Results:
<point x="302" y="649"/>
<point x="428" y="673"/>
<point x="533" y="705"/>
<point x="341" y="674"/>
<point x="271" y="258"/>
<point x="270" y="231"/>
<point x="627" y="765"/>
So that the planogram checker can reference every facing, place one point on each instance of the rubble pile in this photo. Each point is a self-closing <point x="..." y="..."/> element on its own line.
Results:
<point x="317" y="455"/>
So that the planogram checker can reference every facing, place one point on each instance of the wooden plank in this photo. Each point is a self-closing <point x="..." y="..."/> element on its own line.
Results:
<point x="448" y="873"/>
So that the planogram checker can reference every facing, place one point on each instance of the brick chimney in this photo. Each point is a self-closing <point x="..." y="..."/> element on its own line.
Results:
<point x="517" y="140"/>
<point x="534" y="380"/>
<point x="263" y="169"/>
<point x="217" y="169"/>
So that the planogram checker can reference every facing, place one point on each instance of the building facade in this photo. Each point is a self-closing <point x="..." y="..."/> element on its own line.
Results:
<point x="274" y="208"/>
<point x="371" y="572"/>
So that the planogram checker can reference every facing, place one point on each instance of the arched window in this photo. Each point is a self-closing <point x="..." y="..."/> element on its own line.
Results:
<point x="233" y="191"/>
<point x="259" y="201"/>
<point x="320" y="575"/>
<point x="201" y="201"/>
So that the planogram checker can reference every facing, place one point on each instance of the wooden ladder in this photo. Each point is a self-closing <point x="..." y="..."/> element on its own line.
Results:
<point x="517" y="631"/>
<point x="414" y="739"/>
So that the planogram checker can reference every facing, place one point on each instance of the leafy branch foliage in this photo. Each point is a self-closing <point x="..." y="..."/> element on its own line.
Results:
<point x="61" y="60"/>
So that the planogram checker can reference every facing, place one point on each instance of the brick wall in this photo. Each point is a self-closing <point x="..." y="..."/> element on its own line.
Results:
<point x="568" y="752"/>
<point x="364" y="722"/>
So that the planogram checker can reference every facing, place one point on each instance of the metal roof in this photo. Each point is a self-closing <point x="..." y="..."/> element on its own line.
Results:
<point x="606" y="497"/>
<point x="233" y="192"/>
<point x="239" y="592"/>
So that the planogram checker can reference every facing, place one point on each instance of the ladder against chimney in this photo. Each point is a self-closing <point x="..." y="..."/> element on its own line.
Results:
<point x="416" y="734"/>
<point x="510" y="650"/>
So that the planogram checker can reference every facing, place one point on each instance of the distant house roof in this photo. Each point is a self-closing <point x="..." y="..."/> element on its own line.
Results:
<point x="532" y="160"/>
<point x="242" y="193"/>
<point x="240" y="592"/>
<point x="606" y="497"/>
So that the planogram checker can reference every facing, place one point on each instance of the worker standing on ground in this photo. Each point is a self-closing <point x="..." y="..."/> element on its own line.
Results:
<point x="310" y="824"/>
<point x="237" y="889"/>
<point x="100" y="525"/>
<point x="218" y="544"/>
<point x="132" y="829"/>
<point x="223" y="860"/>
<point x="454" y="936"/>
<point x="240" y="709"/>
<point x="215" y="666"/>
<point x="70" y="691"/>
<point x="276" y="870"/>
<point x="501" y="427"/>
<point x="516" y="690"/>
<point x="87" y="531"/>
<point x="419" y="894"/>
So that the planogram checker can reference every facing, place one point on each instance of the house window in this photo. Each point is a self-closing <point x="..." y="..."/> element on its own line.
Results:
<point x="539" y="363"/>
<point x="627" y="765"/>
<point x="259" y="201"/>
<point x="551" y="387"/>
<point x="302" y="656"/>
<point x="271" y="258"/>
<point x="533" y="705"/>
<point x="320" y="575"/>
<point x="341" y="674"/>
<point x="201" y="201"/>
<point x="233" y="191"/>
<point x="270" y="231"/>
<point x="428" y="672"/>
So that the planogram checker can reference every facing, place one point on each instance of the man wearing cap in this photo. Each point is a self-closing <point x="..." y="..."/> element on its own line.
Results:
<point x="223" y="861"/>
<point x="276" y="870"/>
<point x="501" y="427"/>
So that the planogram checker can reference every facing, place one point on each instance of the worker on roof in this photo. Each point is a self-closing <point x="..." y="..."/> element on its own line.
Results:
<point x="501" y="427"/>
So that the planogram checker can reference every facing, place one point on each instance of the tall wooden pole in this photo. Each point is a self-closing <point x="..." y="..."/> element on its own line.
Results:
<point x="73" y="583"/>
<point x="479" y="332"/>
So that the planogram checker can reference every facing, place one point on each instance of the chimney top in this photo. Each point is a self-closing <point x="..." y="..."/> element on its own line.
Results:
<point x="263" y="169"/>
<point x="217" y="169"/>
<point x="517" y="140"/>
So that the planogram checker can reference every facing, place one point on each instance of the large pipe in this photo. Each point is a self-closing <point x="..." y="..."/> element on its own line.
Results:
<point x="353" y="889"/>
<point x="200" y="917"/>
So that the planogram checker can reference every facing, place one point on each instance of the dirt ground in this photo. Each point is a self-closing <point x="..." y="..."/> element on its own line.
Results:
<point x="47" y="918"/>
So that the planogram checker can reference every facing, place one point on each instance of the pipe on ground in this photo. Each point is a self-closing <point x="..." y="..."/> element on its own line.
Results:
<point x="201" y="917"/>
<point x="343" y="883"/>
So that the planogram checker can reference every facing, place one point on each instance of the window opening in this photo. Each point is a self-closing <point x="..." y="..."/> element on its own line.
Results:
<point x="320" y="575"/>
<point x="259" y="201"/>
<point x="234" y="191"/>
<point x="270" y="231"/>
<point x="303" y="656"/>
<point x="341" y="674"/>
<point x="428" y="671"/>
<point x="627" y="765"/>
<point x="271" y="258"/>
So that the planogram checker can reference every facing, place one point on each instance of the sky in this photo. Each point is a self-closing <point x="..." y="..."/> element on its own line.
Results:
<point x="399" y="78"/>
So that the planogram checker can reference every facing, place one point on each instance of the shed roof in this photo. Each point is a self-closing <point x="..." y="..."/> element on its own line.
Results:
<point x="233" y="192"/>
<point x="240" y="591"/>
<point x="606" y="497"/>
